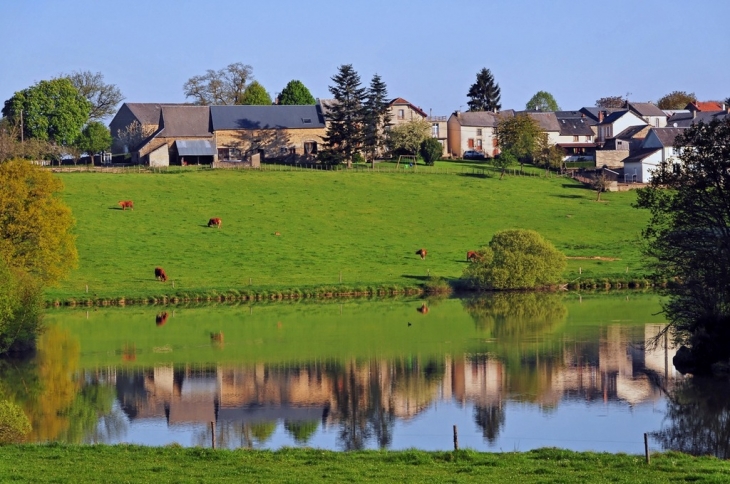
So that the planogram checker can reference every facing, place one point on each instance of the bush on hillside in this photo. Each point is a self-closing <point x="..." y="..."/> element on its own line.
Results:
<point x="14" y="424"/>
<point x="515" y="259"/>
<point x="431" y="150"/>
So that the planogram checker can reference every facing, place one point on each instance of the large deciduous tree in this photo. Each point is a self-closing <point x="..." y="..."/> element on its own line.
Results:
<point x="615" y="102"/>
<point x="676" y="100"/>
<point x="519" y="135"/>
<point x="255" y="95"/>
<point x="344" y="133"/>
<point x="52" y="111"/>
<point x="102" y="97"/>
<point x="484" y="94"/>
<point x="688" y="238"/>
<point x="221" y="87"/>
<point x="407" y="137"/>
<point x="35" y="224"/>
<point x="295" y="93"/>
<point x="542" y="101"/>
<point x="516" y="259"/>
<point x="376" y="118"/>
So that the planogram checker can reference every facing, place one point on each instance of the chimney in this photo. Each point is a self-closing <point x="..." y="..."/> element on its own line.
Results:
<point x="694" y="113"/>
<point x="600" y="116"/>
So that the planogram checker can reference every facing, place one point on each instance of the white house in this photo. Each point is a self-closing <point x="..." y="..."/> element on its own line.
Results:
<point x="656" y="151"/>
<point x="616" y="122"/>
<point x="474" y="130"/>
<point x="653" y="116"/>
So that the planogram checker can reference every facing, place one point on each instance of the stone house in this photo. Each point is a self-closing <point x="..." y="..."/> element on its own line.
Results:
<point x="401" y="111"/>
<point x="183" y="137"/>
<point x="133" y="124"/>
<point x="576" y="136"/>
<point x="474" y="130"/>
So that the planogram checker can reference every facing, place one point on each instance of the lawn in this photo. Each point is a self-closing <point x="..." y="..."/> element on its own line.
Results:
<point x="123" y="463"/>
<point x="362" y="228"/>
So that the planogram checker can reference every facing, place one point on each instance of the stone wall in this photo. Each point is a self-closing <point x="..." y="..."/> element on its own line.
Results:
<point x="274" y="142"/>
<point x="611" y="158"/>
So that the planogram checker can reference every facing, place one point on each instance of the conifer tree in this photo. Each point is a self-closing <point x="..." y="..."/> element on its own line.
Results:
<point x="376" y="117"/>
<point x="484" y="94"/>
<point x="344" y="133"/>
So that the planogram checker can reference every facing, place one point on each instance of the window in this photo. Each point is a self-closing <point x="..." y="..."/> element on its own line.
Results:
<point x="656" y="122"/>
<point x="479" y="144"/>
<point x="401" y="114"/>
<point x="470" y="143"/>
<point x="435" y="130"/>
<point x="229" y="154"/>
<point x="589" y="138"/>
<point x="307" y="120"/>
<point x="479" y="131"/>
<point x="676" y="168"/>
<point x="310" y="147"/>
<point x="576" y="138"/>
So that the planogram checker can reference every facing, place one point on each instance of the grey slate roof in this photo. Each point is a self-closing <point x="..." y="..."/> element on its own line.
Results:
<point x="640" y="154"/>
<point x="185" y="121"/>
<point x="148" y="113"/>
<point x="575" y="126"/>
<point x="646" y="109"/>
<point x="667" y="135"/>
<point x="631" y="132"/>
<point x="685" y="120"/>
<point x="593" y="111"/>
<point x="546" y="120"/>
<point x="485" y="119"/>
<point x="195" y="147"/>
<point x="613" y="116"/>
<point x="266" y="117"/>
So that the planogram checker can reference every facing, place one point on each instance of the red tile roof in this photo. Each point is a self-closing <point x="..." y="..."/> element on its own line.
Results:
<point x="705" y="106"/>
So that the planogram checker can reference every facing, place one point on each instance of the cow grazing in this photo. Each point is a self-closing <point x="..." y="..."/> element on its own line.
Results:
<point x="277" y="234"/>
<point x="160" y="274"/>
<point x="126" y="204"/>
<point x="472" y="256"/>
<point x="423" y="309"/>
<point x="422" y="253"/>
<point x="217" y="337"/>
<point x="161" y="318"/>
<point x="215" y="221"/>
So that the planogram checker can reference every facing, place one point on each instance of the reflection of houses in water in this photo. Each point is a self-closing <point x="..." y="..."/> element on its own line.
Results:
<point x="612" y="369"/>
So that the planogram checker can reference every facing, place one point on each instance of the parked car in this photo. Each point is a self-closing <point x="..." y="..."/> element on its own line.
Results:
<point x="473" y="155"/>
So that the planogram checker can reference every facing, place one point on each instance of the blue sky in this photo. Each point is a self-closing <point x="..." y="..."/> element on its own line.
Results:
<point x="427" y="52"/>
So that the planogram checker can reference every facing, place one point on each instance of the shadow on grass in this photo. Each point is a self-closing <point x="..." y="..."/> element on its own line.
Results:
<point x="117" y="208"/>
<point x="568" y="196"/>
<point x="476" y="175"/>
<point x="417" y="278"/>
<point x="581" y="187"/>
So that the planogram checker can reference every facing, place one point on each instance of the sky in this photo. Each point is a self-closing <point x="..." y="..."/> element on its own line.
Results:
<point x="426" y="51"/>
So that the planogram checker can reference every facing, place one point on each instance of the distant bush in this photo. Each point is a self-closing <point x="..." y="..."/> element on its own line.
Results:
<point x="14" y="424"/>
<point x="358" y="158"/>
<point x="431" y="150"/>
<point x="516" y="259"/>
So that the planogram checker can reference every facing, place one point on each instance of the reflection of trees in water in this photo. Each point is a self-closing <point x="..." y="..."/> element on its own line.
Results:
<point x="92" y="417"/>
<point x="301" y="432"/>
<point x="490" y="419"/>
<point x="698" y="417"/>
<point x="516" y="315"/>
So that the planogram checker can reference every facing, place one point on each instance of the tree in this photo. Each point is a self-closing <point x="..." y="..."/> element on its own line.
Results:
<point x="516" y="259"/>
<point x="600" y="184"/>
<point x="14" y="424"/>
<point x="376" y="117"/>
<point x="503" y="161"/>
<point x="52" y="111"/>
<point x="94" y="139"/>
<point x="255" y="95"/>
<point x="407" y="137"/>
<point x="20" y="309"/>
<point x="32" y="149"/>
<point x="688" y="238"/>
<point x="611" y="102"/>
<point x="296" y="94"/>
<point x="519" y="135"/>
<point x="102" y="97"/>
<point x="542" y="101"/>
<point x="133" y="135"/>
<point x="676" y="100"/>
<point x="344" y="134"/>
<point x="222" y="87"/>
<point x="548" y="155"/>
<point x="484" y="94"/>
<point x="431" y="150"/>
<point x="35" y="224"/>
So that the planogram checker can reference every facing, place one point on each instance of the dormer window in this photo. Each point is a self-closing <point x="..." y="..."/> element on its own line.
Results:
<point x="307" y="120"/>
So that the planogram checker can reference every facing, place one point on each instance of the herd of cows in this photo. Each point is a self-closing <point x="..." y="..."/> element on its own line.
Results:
<point x="160" y="275"/>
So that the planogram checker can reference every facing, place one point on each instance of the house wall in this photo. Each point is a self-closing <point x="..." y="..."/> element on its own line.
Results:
<point x="569" y="139"/>
<point x="441" y="133"/>
<point x="409" y="114"/>
<point x="453" y="135"/>
<point x="656" y="121"/>
<point x="160" y="156"/>
<point x="485" y="142"/>
<point x="274" y="142"/>
<point x="611" y="158"/>
<point x="644" y="168"/>
<point x="625" y="121"/>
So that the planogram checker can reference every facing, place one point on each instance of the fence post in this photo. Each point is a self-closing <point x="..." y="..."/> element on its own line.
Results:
<point x="212" y="432"/>
<point x="456" y="439"/>
<point x="646" y="447"/>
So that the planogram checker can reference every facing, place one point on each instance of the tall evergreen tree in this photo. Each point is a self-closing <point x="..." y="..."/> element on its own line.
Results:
<point x="344" y="133"/>
<point x="484" y="94"/>
<point x="376" y="117"/>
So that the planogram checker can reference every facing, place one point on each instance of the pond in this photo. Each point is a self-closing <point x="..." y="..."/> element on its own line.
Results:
<point x="510" y="371"/>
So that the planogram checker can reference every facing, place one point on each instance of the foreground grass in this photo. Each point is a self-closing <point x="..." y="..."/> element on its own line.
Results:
<point x="358" y="228"/>
<point x="79" y="464"/>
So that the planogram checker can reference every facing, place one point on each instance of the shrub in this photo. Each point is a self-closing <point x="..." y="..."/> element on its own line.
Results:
<point x="431" y="150"/>
<point x="14" y="424"/>
<point x="358" y="158"/>
<point x="516" y="259"/>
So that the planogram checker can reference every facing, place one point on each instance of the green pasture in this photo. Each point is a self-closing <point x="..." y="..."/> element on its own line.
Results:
<point x="300" y="332"/>
<point x="356" y="226"/>
<point x="126" y="463"/>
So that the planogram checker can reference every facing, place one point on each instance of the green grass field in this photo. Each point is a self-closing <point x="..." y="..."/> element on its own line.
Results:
<point x="125" y="463"/>
<point x="361" y="226"/>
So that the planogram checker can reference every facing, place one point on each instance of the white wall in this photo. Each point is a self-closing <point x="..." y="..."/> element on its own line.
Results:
<point x="160" y="156"/>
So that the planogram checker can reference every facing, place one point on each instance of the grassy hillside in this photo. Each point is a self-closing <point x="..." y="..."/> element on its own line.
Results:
<point x="364" y="226"/>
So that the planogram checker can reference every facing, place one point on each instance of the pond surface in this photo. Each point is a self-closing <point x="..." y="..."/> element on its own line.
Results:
<point x="511" y="372"/>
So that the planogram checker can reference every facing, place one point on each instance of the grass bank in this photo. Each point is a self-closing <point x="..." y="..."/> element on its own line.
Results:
<point x="354" y="228"/>
<point x="79" y="464"/>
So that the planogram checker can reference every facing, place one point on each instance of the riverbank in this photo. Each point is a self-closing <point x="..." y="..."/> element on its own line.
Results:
<point x="308" y="229"/>
<point x="124" y="463"/>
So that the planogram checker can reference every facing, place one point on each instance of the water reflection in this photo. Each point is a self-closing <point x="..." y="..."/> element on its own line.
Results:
<point x="491" y="361"/>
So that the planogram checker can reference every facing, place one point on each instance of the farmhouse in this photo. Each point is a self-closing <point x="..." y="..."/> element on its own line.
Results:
<point x="475" y="130"/>
<point x="656" y="152"/>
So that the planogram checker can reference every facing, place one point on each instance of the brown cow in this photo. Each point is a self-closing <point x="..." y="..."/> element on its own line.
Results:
<point x="422" y="253"/>
<point x="160" y="274"/>
<point x="126" y="204"/>
<point x="217" y="338"/>
<point x="215" y="221"/>
<point x="161" y="318"/>
<point x="472" y="256"/>
<point x="423" y="309"/>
